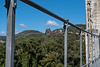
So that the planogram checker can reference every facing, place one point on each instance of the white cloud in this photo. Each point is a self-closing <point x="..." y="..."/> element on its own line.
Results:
<point x="22" y="25"/>
<point x="16" y="31"/>
<point x="2" y="33"/>
<point x="52" y="23"/>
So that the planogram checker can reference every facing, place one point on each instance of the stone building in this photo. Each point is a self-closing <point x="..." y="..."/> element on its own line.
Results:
<point x="93" y="26"/>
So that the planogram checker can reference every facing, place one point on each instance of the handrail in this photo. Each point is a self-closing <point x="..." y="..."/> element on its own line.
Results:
<point x="91" y="62"/>
<point x="33" y="4"/>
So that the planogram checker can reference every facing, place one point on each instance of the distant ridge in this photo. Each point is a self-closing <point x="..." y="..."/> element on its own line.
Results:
<point x="27" y="34"/>
<point x="33" y="33"/>
<point x="24" y="35"/>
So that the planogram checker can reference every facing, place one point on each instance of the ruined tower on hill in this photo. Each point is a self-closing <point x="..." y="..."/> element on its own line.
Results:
<point x="48" y="31"/>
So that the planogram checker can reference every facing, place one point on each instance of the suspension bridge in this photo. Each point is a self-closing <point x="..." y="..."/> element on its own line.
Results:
<point x="92" y="37"/>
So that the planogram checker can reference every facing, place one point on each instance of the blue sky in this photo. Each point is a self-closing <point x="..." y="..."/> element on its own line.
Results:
<point x="29" y="18"/>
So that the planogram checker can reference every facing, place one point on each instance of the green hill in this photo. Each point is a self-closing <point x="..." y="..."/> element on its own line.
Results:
<point x="74" y="30"/>
<point x="24" y="35"/>
<point x="27" y="34"/>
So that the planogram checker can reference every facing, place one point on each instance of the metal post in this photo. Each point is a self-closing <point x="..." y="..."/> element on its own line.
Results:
<point x="96" y="49"/>
<point x="86" y="43"/>
<point x="88" y="48"/>
<point x="81" y="49"/>
<point x="92" y="49"/>
<point x="65" y="47"/>
<point x="99" y="45"/>
<point x="10" y="33"/>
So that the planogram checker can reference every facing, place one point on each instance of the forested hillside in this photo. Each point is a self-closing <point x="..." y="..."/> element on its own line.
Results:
<point x="36" y="49"/>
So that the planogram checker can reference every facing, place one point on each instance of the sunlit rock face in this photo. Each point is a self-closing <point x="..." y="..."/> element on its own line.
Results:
<point x="48" y="31"/>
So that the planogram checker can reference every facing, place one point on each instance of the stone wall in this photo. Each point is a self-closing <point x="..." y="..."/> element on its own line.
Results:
<point x="92" y="25"/>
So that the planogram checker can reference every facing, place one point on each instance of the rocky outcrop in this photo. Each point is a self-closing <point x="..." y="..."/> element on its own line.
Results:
<point x="48" y="31"/>
<point x="2" y="41"/>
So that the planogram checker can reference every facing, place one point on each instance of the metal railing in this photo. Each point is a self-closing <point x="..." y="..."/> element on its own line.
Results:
<point x="11" y="7"/>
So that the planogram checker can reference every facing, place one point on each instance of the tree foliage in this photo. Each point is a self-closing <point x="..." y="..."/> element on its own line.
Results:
<point x="45" y="51"/>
